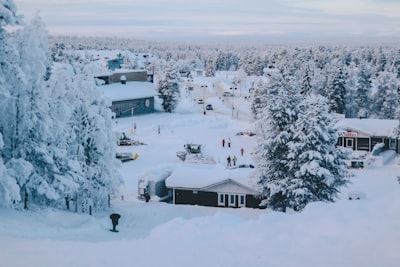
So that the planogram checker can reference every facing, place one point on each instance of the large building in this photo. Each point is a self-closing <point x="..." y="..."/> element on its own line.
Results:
<point x="130" y="98"/>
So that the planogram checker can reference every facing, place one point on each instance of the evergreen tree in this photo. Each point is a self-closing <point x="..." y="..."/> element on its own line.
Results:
<point x="385" y="100"/>
<point x="210" y="71"/>
<point x="363" y="91"/>
<point x="275" y="132"/>
<point x="319" y="166"/>
<point x="168" y="89"/>
<point x="336" y="91"/>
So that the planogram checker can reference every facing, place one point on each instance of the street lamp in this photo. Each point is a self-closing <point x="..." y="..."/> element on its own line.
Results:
<point x="204" y="87"/>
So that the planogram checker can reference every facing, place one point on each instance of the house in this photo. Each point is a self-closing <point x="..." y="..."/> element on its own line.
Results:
<point x="364" y="134"/>
<point x="130" y="98"/>
<point x="212" y="185"/>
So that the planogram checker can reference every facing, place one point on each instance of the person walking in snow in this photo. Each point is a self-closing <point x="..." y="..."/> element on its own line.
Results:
<point x="223" y="142"/>
<point x="234" y="160"/>
<point x="114" y="219"/>
<point x="229" y="142"/>
<point x="228" y="159"/>
<point x="241" y="151"/>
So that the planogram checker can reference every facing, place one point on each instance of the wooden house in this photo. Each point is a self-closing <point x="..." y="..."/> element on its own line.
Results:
<point x="212" y="185"/>
<point x="364" y="134"/>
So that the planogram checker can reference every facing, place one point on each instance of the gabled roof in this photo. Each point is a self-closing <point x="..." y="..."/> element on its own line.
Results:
<point x="208" y="176"/>
<point x="369" y="127"/>
<point x="130" y="90"/>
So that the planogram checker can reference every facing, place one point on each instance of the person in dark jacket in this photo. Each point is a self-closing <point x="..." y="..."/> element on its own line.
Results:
<point x="114" y="219"/>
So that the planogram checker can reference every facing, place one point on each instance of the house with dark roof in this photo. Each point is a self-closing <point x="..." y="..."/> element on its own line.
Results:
<point x="212" y="185"/>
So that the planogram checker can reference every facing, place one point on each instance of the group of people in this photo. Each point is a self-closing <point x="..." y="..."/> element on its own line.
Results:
<point x="229" y="159"/>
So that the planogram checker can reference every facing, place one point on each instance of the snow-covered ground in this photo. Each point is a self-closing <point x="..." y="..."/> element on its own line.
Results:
<point x="361" y="232"/>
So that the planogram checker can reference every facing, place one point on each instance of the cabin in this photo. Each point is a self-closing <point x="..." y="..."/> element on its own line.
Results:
<point x="129" y="98"/>
<point x="363" y="134"/>
<point x="212" y="185"/>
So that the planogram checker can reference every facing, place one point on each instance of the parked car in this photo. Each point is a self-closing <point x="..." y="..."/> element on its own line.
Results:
<point x="200" y="101"/>
<point x="227" y="94"/>
<point x="209" y="107"/>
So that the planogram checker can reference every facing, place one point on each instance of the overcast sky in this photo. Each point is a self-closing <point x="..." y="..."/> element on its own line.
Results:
<point x="218" y="19"/>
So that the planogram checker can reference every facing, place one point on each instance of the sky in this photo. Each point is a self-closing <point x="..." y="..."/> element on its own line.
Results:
<point x="218" y="20"/>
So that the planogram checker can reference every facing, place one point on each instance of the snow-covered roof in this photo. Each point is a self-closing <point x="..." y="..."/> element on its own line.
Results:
<point x="198" y="176"/>
<point x="369" y="127"/>
<point x="130" y="90"/>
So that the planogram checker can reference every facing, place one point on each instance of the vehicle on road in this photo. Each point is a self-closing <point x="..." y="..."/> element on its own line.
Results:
<point x="209" y="107"/>
<point x="200" y="101"/>
<point x="227" y="94"/>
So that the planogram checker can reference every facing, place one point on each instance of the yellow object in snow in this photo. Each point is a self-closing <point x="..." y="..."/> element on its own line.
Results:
<point x="135" y="156"/>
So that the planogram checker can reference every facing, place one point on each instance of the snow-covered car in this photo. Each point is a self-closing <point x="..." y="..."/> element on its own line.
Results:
<point x="209" y="107"/>
<point x="200" y="101"/>
<point x="227" y="94"/>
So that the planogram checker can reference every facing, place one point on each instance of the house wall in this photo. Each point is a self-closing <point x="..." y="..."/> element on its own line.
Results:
<point x="133" y="76"/>
<point x="364" y="143"/>
<point x="141" y="106"/>
<point x="192" y="197"/>
<point x="205" y="198"/>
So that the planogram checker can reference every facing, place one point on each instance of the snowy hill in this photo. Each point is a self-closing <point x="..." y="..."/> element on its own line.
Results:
<point x="346" y="233"/>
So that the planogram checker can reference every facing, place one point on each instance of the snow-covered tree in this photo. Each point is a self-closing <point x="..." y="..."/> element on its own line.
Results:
<point x="168" y="88"/>
<point x="90" y="141"/>
<point x="319" y="165"/>
<point x="385" y="100"/>
<point x="336" y="91"/>
<point x="275" y="131"/>
<point x="9" y="189"/>
<point x="210" y="70"/>
<point x="363" y="92"/>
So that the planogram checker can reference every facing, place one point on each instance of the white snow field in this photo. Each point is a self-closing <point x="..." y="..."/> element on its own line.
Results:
<point x="347" y="233"/>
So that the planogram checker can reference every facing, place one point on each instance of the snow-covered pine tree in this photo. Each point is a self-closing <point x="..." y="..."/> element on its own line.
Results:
<point x="168" y="88"/>
<point x="91" y="142"/>
<point x="319" y="165"/>
<point x="210" y="70"/>
<point x="306" y="87"/>
<point x="336" y="90"/>
<point x="385" y="100"/>
<point x="274" y="131"/>
<point x="363" y="91"/>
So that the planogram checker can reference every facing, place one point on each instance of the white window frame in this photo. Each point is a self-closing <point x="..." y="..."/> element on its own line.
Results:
<point x="240" y="204"/>
<point x="221" y="203"/>
<point x="349" y="143"/>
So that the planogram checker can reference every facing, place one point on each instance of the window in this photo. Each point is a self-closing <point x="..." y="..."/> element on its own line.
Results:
<point x="221" y="199"/>
<point x="349" y="142"/>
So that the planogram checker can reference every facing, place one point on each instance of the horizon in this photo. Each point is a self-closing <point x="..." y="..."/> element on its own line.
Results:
<point x="229" y="21"/>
